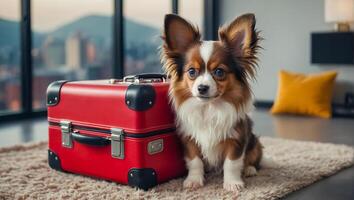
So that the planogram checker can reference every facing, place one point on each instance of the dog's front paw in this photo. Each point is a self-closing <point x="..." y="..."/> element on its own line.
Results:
<point x="234" y="185"/>
<point x="250" y="171"/>
<point x="193" y="181"/>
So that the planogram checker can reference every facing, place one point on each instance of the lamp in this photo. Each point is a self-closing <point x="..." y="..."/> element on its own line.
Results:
<point x="341" y="12"/>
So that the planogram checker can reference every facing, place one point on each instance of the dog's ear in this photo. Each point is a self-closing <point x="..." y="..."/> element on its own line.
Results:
<point x="241" y="38"/>
<point x="179" y="34"/>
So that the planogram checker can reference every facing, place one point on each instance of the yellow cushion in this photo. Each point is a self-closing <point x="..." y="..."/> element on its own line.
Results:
<point x="305" y="94"/>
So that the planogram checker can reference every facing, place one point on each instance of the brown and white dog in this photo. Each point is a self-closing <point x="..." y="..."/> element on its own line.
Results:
<point x="211" y="94"/>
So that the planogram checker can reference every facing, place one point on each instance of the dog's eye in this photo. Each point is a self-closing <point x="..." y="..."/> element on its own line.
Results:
<point x="192" y="73"/>
<point x="219" y="73"/>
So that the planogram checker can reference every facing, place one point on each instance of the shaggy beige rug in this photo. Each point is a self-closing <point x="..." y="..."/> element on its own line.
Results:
<point x="24" y="174"/>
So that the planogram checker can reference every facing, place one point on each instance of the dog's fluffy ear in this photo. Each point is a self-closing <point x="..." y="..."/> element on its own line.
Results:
<point x="179" y="34"/>
<point x="241" y="38"/>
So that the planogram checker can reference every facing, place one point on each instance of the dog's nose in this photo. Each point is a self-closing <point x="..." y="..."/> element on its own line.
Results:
<point x="203" y="89"/>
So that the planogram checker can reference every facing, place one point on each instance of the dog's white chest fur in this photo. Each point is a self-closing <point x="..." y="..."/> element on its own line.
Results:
<point x="208" y="124"/>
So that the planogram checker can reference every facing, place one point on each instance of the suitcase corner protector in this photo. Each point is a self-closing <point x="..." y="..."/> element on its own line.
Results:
<point x="53" y="92"/>
<point x="142" y="178"/>
<point x="140" y="97"/>
<point x="54" y="161"/>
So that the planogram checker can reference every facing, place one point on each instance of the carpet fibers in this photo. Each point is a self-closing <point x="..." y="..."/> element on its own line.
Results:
<point x="24" y="174"/>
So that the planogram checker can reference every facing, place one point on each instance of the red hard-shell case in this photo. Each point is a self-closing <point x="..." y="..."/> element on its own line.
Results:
<point x="116" y="130"/>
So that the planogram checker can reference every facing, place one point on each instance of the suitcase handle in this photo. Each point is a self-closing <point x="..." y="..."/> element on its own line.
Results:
<point x="90" y="140"/>
<point x="138" y="77"/>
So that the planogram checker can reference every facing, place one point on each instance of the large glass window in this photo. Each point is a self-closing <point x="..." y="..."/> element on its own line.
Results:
<point x="72" y="40"/>
<point x="193" y="11"/>
<point x="142" y="30"/>
<point x="10" y="71"/>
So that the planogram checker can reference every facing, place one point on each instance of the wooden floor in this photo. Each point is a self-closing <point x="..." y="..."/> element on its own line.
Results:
<point x="336" y="130"/>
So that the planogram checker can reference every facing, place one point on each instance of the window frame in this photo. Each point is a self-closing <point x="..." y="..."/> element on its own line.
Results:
<point x="211" y="23"/>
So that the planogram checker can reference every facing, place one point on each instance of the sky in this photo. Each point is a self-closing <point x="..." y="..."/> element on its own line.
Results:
<point x="49" y="14"/>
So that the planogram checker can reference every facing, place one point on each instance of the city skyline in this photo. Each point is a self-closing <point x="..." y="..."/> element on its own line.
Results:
<point x="79" y="50"/>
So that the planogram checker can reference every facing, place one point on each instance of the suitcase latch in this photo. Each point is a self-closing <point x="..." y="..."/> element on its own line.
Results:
<point x="117" y="143"/>
<point x="66" y="129"/>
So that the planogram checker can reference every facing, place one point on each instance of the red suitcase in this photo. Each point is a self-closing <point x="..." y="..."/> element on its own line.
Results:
<point x="118" y="130"/>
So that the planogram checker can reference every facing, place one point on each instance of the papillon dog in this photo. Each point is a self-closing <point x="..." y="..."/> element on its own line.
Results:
<point x="211" y="94"/>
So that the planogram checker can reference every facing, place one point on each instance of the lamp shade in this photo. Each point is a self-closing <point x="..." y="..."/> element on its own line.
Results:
<point x="339" y="10"/>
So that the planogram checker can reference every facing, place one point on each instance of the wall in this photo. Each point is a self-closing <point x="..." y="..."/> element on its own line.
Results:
<point x="286" y="26"/>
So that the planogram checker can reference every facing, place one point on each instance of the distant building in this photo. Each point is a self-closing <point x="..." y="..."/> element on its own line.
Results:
<point x="91" y="53"/>
<point x="43" y="77"/>
<point x="53" y="52"/>
<point x="9" y="55"/>
<point x="75" y="50"/>
<point x="10" y="98"/>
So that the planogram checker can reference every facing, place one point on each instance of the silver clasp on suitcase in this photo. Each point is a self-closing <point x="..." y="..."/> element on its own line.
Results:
<point x="117" y="143"/>
<point x="66" y="139"/>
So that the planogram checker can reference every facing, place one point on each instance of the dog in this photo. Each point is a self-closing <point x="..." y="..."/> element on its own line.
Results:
<point x="211" y="94"/>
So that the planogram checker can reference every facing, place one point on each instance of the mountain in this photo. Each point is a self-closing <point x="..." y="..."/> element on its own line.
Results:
<point x="93" y="26"/>
<point x="9" y="33"/>
<point x="136" y="32"/>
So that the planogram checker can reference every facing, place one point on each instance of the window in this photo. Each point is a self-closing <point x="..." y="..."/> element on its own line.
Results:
<point x="193" y="12"/>
<point x="79" y="39"/>
<point x="71" y="40"/>
<point x="10" y="70"/>
<point x="142" y="30"/>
